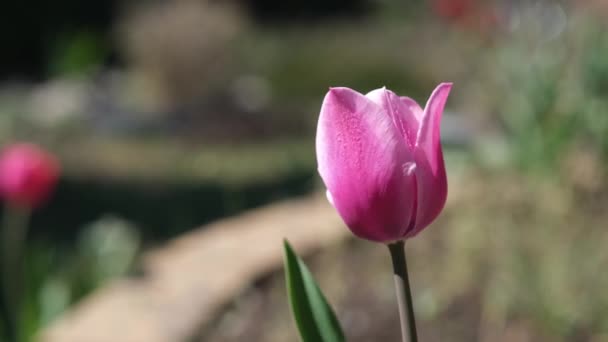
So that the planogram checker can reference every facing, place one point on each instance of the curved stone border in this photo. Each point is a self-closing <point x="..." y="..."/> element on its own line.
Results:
<point x="192" y="277"/>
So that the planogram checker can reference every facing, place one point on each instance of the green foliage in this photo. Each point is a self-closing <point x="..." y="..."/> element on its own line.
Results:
<point x="553" y="97"/>
<point x="533" y="251"/>
<point x="57" y="277"/>
<point x="300" y="63"/>
<point x="314" y="317"/>
<point x="595" y="82"/>
<point x="173" y="187"/>
<point x="77" y="53"/>
<point x="538" y="127"/>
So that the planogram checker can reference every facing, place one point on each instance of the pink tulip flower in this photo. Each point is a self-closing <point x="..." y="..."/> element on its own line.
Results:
<point x="28" y="175"/>
<point x="381" y="160"/>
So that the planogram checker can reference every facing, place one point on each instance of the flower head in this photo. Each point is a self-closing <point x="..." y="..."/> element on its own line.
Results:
<point x="380" y="158"/>
<point x="27" y="175"/>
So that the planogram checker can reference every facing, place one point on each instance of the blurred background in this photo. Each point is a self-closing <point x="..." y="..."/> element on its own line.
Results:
<point x="166" y="115"/>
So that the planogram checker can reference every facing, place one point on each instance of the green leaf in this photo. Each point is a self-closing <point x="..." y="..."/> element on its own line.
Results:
<point x="314" y="317"/>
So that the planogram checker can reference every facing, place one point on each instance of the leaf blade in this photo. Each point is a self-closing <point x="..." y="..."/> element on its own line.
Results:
<point x="312" y="313"/>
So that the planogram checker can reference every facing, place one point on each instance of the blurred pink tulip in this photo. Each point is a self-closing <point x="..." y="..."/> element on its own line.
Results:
<point x="481" y="16"/>
<point x="380" y="158"/>
<point x="453" y="9"/>
<point x="27" y="175"/>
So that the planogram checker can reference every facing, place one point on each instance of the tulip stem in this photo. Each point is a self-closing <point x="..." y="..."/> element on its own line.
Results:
<point x="404" y="293"/>
<point x="14" y="229"/>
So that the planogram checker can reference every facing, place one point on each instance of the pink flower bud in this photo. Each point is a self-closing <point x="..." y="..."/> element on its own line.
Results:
<point x="380" y="158"/>
<point x="28" y="175"/>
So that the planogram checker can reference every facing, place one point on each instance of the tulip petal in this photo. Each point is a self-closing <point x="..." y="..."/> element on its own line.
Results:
<point x="430" y="170"/>
<point x="429" y="133"/>
<point x="405" y="112"/>
<point x="365" y="165"/>
<point x="414" y="108"/>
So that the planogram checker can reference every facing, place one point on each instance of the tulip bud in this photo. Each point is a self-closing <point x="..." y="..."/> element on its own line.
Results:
<point x="380" y="157"/>
<point x="28" y="175"/>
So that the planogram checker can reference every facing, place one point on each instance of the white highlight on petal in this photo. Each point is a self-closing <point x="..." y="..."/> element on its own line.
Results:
<point x="409" y="168"/>
<point x="329" y="198"/>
